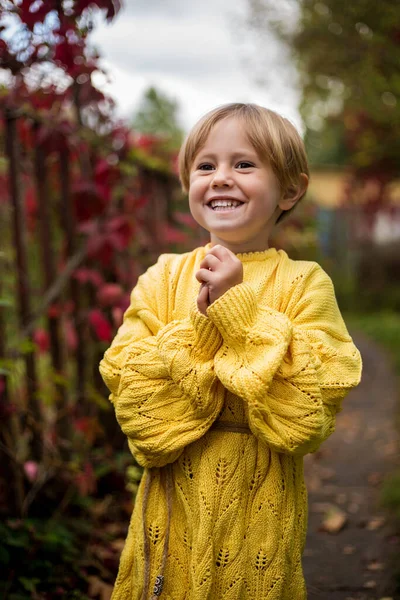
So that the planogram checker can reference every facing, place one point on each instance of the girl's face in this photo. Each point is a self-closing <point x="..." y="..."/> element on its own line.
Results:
<point x="233" y="194"/>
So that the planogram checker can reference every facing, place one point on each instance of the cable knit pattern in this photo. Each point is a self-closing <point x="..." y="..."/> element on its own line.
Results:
<point x="273" y="354"/>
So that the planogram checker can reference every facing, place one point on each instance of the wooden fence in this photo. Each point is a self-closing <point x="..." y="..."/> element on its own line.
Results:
<point x="30" y="296"/>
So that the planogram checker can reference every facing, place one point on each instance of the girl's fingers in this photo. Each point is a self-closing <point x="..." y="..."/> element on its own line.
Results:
<point x="204" y="275"/>
<point x="210" y="262"/>
<point x="221" y="252"/>
<point x="203" y="300"/>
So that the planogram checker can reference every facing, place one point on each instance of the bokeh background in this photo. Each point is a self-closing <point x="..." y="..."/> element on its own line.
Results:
<point x="95" y="99"/>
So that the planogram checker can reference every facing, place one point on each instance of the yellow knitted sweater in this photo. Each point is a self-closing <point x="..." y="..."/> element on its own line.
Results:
<point x="273" y="355"/>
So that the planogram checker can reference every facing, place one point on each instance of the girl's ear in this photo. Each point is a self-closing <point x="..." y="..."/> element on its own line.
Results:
<point x="294" y="193"/>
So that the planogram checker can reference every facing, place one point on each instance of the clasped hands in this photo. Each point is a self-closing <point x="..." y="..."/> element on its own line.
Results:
<point x="219" y="271"/>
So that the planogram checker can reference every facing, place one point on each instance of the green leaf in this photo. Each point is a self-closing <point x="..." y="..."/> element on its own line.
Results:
<point x="29" y="584"/>
<point x="6" y="303"/>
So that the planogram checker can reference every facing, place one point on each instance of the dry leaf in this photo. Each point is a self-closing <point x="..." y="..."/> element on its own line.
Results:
<point x="321" y="507"/>
<point x="101" y="507"/>
<point x="99" y="589"/>
<point x="313" y="482"/>
<point x="115" y="529"/>
<point x="341" y="498"/>
<point x="375" y="566"/>
<point x="334" y="520"/>
<point x="349" y="549"/>
<point x="326" y="473"/>
<point x="375" y="523"/>
<point x="353" y="508"/>
<point x="374" y="478"/>
<point x="118" y="545"/>
<point x="370" y="584"/>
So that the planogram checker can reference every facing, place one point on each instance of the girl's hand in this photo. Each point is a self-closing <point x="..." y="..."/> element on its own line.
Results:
<point x="219" y="271"/>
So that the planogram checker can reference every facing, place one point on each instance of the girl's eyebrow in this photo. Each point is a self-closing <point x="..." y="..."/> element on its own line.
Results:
<point x="234" y="155"/>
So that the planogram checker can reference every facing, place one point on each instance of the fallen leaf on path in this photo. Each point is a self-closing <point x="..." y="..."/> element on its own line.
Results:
<point x="98" y="588"/>
<point x="313" y="482"/>
<point x="115" y="529"/>
<point x="321" y="507"/>
<point x="391" y="448"/>
<point x="375" y="566"/>
<point x="370" y="584"/>
<point x="349" y="549"/>
<point x="118" y="545"/>
<point x="334" y="520"/>
<point x="326" y="473"/>
<point x="375" y="523"/>
<point x="374" y="478"/>
<point x="101" y="507"/>
<point x="353" y="508"/>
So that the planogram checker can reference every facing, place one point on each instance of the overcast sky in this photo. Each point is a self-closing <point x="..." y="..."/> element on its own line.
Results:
<point x="199" y="53"/>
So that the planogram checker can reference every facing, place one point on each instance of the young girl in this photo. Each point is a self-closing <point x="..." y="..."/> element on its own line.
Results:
<point x="230" y="365"/>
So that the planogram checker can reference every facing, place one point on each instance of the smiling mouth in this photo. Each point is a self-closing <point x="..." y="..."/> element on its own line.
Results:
<point x="223" y="205"/>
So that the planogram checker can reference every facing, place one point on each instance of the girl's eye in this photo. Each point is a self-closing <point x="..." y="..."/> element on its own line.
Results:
<point x="205" y="167"/>
<point x="244" y="165"/>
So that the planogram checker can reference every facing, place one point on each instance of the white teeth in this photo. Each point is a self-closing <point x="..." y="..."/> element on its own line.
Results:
<point x="225" y="203"/>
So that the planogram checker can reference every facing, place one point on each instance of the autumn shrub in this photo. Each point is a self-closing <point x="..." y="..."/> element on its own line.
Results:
<point x="97" y="204"/>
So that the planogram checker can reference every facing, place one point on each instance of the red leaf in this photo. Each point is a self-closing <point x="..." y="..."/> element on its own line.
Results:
<point x="42" y="9"/>
<point x="100" y="325"/>
<point x="84" y="275"/>
<point x="68" y="55"/>
<point x="174" y="236"/>
<point x="88" y="202"/>
<point x="54" y="311"/>
<point x="106" y="173"/>
<point x="41" y="339"/>
<point x="105" y="254"/>
<point x="186" y="219"/>
<point x="117" y="315"/>
<point x="89" y="426"/>
<point x="110" y="294"/>
<point x="133" y="202"/>
<point x="86" y="480"/>
<point x="121" y="231"/>
<point x="70" y="335"/>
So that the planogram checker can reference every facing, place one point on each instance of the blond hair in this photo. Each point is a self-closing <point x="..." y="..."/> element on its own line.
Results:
<point x="273" y="137"/>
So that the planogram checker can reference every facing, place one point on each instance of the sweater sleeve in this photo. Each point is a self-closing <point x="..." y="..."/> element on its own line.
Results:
<point x="294" y="369"/>
<point x="160" y="375"/>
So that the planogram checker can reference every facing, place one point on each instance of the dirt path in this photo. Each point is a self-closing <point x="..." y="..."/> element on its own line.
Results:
<point x="344" y="481"/>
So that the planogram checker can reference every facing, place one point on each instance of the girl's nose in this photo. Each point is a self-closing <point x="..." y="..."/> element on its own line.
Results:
<point x="221" y="178"/>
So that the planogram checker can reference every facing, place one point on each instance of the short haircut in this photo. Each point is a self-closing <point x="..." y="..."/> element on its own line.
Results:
<point x="273" y="137"/>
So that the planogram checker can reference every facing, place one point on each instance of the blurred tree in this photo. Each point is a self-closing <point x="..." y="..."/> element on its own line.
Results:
<point x="157" y="115"/>
<point x="348" y="56"/>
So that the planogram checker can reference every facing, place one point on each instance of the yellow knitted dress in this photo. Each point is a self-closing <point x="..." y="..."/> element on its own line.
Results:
<point x="273" y="357"/>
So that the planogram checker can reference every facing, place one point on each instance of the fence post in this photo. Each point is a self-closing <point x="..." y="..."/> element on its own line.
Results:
<point x="68" y="224"/>
<point x="46" y="244"/>
<point x="9" y="433"/>
<point x="34" y="420"/>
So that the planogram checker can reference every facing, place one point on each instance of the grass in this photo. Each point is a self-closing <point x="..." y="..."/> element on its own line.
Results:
<point x="383" y="327"/>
